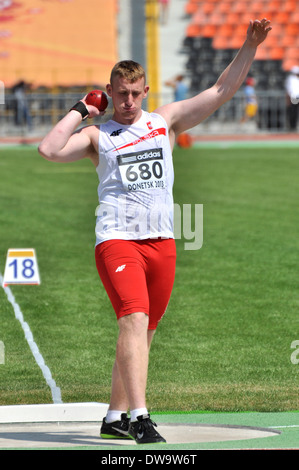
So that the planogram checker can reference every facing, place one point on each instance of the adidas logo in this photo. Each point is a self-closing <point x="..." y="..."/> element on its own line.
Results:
<point x="120" y="268"/>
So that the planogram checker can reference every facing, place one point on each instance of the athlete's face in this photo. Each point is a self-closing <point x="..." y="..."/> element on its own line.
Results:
<point x="127" y="99"/>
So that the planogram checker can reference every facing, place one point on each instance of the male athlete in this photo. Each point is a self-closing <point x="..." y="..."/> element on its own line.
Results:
<point x="135" y="248"/>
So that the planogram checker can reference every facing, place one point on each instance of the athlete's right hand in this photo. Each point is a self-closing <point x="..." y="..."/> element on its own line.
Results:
<point x="92" y="110"/>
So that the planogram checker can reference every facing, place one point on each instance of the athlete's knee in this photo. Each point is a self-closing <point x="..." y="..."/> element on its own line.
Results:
<point x="134" y="323"/>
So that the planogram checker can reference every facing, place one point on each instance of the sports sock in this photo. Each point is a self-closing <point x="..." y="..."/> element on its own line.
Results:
<point x="113" y="415"/>
<point x="138" y="412"/>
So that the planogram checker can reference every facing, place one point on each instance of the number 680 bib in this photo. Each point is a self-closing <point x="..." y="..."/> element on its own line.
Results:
<point x="142" y="170"/>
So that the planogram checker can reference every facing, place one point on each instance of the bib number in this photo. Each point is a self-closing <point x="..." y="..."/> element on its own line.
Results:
<point x="142" y="170"/>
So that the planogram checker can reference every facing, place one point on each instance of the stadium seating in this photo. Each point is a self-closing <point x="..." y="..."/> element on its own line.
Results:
<point x="217" y="29"/>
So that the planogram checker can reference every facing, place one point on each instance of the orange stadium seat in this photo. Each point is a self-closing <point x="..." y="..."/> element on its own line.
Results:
<point x="273" y="5"/>
<point x="208" y="7"/>
<point x="292" y="29"/>
<point x="235" y="42"/>
<point x="262" y="53"/>
<point x="233" y="17"/>
<point x="217" y="18"/>
<point x="256" y="6"/>
<point x="239" y="7"/>
<point x="246" y="16"/>
<point x="294" y="16"/>
<point x="240" y="30"/>
<point x="292" y="53"/>
<point x="276" y="53"/>
<point x="191" y="7"/>
<point x="198" y="18"/>
<point x="288" y="5"/>
<point x="193" y="30"/>
<point x="225" y="30"/>
<point x="208" y="31"/>
<point x="288" y="64"/>
<point x="280" y="17"/>
<point x="287" y="41"/>
<point x="221" y="42"/>
<point x="274" y="41"/>
<point x="225" y="7"/>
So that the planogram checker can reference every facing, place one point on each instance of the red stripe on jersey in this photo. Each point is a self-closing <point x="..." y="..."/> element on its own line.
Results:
<point x="151" y="135"/>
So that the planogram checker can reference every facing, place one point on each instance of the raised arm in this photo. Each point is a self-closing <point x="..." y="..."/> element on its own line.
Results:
<point x="186" y="114"/>
<point x="64" y="144"/>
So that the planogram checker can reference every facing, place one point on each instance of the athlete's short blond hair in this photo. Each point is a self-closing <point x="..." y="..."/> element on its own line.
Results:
<point x="129" y="70"/>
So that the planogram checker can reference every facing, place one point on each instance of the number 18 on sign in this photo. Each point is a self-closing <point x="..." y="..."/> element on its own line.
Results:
<point x="21" y="267"/>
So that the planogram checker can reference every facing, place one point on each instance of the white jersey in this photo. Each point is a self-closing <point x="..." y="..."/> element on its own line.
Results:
<point x="136" y="179"/>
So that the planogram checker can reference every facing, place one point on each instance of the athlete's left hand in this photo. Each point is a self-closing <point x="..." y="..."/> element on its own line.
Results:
<point x="258" y="31"/>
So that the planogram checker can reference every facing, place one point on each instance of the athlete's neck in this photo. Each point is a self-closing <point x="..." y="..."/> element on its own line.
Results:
<point x="127" y="120"/>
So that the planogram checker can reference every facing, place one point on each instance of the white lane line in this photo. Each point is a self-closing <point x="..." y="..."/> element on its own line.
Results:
<point x="56" y="393"/>
<point x="289" y="426"/>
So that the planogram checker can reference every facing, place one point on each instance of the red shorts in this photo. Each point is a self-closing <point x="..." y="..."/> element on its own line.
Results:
<point x="138" y="275"/>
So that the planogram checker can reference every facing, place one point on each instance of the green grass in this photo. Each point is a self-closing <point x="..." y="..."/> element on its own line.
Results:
<point x="224" y="343"/>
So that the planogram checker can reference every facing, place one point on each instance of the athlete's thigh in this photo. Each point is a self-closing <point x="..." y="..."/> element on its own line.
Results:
<point x="122" y="272"/>
<point x="160" y="279"/>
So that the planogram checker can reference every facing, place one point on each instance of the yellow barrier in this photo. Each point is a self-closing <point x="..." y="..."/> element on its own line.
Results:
<point x="152" y="53"/>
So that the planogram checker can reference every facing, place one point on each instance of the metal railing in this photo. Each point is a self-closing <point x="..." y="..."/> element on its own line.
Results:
<point x="271" y="114"/>
<point x="42" y="111"/>
<point x="45" y="109"/>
